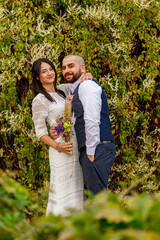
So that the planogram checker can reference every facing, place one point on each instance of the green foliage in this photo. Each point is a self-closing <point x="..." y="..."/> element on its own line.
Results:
<point x="106" y="216"/>
<point x="13" y="201"/>
<point x="119" y="41"/>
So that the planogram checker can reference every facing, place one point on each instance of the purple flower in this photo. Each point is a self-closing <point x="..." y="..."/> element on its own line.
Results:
<point x="59" y="128"/>
<point x="64" y="127"/>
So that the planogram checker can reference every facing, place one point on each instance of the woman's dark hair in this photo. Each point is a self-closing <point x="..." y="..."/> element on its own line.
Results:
<point x="37" y="85"/>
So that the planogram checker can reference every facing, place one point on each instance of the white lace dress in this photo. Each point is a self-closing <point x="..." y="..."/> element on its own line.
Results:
<point x="66" y="179"/>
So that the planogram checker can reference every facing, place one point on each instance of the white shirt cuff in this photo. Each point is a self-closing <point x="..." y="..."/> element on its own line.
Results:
<point x="90" y="150"/>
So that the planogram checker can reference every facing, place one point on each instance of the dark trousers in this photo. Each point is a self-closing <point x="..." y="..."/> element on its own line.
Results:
<point x="96" y="173"/>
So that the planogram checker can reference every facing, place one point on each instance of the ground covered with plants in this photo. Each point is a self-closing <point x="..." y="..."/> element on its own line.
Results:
<point x="120" y="43"/>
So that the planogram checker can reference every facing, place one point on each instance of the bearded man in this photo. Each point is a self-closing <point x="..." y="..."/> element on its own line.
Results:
<point x="92" y="126"/>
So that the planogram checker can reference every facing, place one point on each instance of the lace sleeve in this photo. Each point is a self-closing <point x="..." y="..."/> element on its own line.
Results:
<point x="39" y="115"/>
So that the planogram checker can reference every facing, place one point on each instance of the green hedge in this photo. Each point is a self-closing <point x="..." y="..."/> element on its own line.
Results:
<point x="119" y="41"/>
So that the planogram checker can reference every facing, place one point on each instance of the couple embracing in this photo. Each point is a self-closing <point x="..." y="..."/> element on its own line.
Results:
<point x="92" y="144"/>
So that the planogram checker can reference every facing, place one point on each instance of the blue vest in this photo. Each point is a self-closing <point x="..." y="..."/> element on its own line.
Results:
<point x="105" y="125"/>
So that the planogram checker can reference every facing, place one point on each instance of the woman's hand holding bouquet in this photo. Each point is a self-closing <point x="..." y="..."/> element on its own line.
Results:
<point x="64" y="128"/>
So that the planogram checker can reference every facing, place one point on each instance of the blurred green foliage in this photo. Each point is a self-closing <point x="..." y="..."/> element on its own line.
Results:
<point x="119" y="41"/>
<point x="13" y="201"/>
<point x="106" y="216"/>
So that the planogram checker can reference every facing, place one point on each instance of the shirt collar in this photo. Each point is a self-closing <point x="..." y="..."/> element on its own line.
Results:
<point x="76" y="83"/>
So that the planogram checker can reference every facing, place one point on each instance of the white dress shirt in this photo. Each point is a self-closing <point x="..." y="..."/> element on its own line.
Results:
<point x="90" y="97"/>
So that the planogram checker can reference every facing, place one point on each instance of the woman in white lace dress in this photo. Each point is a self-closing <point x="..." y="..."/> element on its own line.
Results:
<point x="66" y="179"/>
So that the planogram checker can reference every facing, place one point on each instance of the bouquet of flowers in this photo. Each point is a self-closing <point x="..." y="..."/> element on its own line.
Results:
<point x="66" y="121"/>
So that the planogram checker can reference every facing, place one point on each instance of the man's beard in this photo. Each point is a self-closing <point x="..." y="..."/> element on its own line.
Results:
<point x="74" y="78"/>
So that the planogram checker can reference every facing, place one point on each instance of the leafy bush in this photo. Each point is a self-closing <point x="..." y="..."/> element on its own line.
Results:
<point x="119" y="41"/>
<point x="13" y="202"/>
<point x="106" y="216"/>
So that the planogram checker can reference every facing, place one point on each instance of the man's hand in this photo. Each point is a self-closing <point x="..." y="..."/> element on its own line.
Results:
<point x="53" y="133"/>
<point x="91" y="157"/>
<point x="86" y="76"/>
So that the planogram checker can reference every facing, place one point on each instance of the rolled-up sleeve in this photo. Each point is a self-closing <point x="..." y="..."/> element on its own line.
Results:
<point x="90" y="96"/>
<point x="39" y="115"/>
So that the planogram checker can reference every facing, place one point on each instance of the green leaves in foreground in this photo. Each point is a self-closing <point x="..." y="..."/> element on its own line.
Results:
<point x="119" y="41"/>
<point x="106" y="216"/>
<point x="13" y="201"/>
